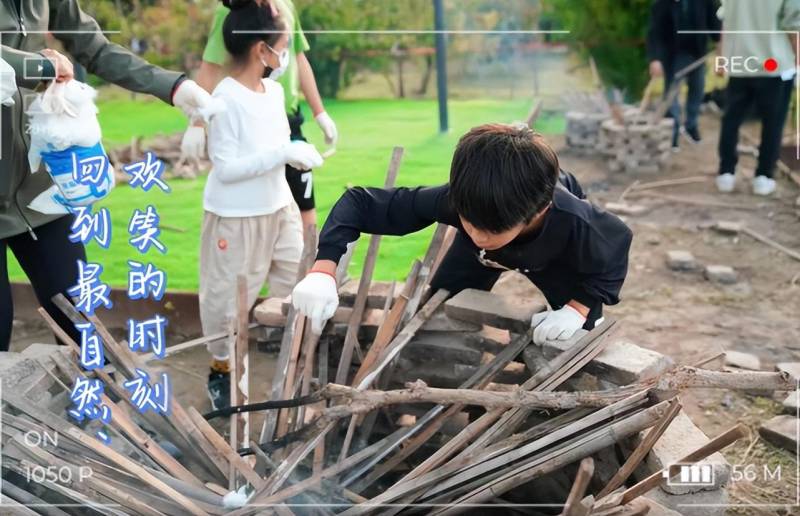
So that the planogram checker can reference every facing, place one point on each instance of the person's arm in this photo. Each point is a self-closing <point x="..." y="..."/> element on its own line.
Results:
<point x="380" y="211"/>
<point x="713" y="23"/>
<point x="599" y="255"/>
<point x="308" y="84"/>
<point x="85" y="41"/>
<point x="790" y="21"/>
<point x="30" y="68"/>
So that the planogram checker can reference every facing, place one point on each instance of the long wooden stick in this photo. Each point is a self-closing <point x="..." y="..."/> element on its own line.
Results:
<point x="775" y="245"/>
<point x="239" y="376"/>
<point x="284" y="355"/>
<point x="351" y="337"/>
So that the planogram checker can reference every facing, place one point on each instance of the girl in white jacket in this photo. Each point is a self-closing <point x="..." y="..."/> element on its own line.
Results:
<point x="251" y="225"/>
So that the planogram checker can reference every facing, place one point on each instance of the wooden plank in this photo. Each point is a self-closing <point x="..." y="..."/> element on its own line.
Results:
<point x="240" y="362"/>
<point x="351" y="338"/>
<point x="284" y="355"/>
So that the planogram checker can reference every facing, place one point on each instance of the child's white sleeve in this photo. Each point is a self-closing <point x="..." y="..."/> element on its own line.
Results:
<point x="229" y="166"/>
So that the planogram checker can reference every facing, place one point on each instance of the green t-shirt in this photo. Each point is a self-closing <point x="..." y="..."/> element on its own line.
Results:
<point x="215" y="49"/>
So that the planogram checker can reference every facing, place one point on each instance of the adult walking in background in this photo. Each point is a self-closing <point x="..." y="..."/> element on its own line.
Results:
<point x="40" y="242"/>
<point x="752" y="31"/>
<point x="678" y="35"/>
<point x="299" y="76"/>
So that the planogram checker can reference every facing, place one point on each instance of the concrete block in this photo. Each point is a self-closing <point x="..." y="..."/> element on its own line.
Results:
<point x="792" y="368"/>
<point x="621" y="363"/>
<point x="781" y="431"/>
<point x="681" y="438"/>
<point x="481" y="307"/>
<point x="722" y="274"/>
<point x="681" y="261"/>
<point x="706" y="503"/>
<point x="742" y="360"/>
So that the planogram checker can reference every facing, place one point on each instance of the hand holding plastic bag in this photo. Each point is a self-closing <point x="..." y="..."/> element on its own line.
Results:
<point x="8" y="83"/>
<point x="65" y="134"/>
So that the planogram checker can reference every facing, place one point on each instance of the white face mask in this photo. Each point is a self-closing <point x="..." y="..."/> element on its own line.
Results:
<point x="283" y="63"/>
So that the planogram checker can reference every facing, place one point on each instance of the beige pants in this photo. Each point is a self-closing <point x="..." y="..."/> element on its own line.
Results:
<point x="266" y="247"/>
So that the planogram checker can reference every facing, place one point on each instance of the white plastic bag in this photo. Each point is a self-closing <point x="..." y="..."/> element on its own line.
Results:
<point x="8" y="83"/>
<point x="65" y="134"/>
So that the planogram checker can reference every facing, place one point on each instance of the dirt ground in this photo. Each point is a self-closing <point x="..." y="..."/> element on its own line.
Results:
<point x="677" y="313"/>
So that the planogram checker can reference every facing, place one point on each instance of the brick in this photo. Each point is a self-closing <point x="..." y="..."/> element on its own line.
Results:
<point x="792" y="368"/>
<point x="727" y="227"/>
<point x="681" y="438"/>
<point x="781" y="431"/>
<point x="681" y="261"/>
<point x="621" y="363"/>
<point x="483" y="307"/>
<point x="376" y="296"/>
<point x="720" y="274"/>
<point x="742" y="360"/>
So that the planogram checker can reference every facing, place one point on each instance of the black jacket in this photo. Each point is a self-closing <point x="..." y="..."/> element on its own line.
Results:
<point x="580" y="253"/>
<point x="663" y="39"/>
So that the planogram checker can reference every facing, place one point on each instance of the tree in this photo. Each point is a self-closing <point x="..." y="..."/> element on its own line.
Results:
<point x="613" y="32"/>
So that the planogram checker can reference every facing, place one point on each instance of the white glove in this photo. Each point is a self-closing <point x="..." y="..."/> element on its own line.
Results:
<point x="316" y="297"/>
<point x="193" y="144"/>
<point x="325" y="123"/>
<point x="302" y="156"/>
<point x="556" y="324"/>
<point x="194" y="101"/>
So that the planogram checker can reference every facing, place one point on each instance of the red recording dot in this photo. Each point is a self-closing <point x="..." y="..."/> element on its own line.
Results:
<point x="770" y="65"/>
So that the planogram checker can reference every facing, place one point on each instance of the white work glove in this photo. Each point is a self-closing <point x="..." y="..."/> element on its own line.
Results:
<point x="316" y="297"/>
<point x="194" y="101"/>
<point x="328" y="128"/>
<point x="302" y="155"/>
<point x="8" y="83"/>
<point x="193" y="144"/>
<point x="556" y="324"/>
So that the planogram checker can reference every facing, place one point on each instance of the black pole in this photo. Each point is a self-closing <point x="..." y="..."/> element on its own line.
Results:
<point x="441" y="64"/>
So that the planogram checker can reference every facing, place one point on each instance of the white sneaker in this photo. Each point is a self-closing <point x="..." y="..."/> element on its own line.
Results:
<point x="763" y="185"/>
<point x="726" y="183"/>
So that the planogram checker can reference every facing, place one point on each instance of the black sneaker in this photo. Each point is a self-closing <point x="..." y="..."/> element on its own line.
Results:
<point x="693" y="135"/>
<point x="219" y="390"/>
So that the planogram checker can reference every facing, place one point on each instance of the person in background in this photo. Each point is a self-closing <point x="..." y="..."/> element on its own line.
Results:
<point x="514" y="209"/>
<point x="299" y="76"/>
<point x="40" y="242"/>
<point x="669" y="50"/>
<point x="251" y="225"/>
<point x="752" y="30"/>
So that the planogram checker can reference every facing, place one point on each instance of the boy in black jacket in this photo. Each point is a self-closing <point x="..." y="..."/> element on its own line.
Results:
<point x="514" y="210"/>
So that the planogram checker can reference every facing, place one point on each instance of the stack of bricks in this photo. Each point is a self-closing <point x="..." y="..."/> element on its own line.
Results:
<point x="638" y="145"/>
<point x="583" y="129"/>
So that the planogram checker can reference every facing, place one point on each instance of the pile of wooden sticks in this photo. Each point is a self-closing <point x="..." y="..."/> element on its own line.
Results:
<point x="320" y="449"/>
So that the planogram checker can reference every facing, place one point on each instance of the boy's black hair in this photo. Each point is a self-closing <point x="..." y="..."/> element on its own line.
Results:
<point x="502" y="175"/>
<point x="248" y="23"/>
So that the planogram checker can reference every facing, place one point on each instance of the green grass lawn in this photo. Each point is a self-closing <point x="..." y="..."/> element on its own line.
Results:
<point x="368" y="131"/>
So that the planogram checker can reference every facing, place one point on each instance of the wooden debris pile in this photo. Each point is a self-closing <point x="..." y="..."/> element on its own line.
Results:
<point x="498" y="421"/>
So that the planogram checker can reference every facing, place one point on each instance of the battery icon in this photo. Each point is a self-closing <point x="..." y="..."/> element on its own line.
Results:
<point x="691" y="475"/>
